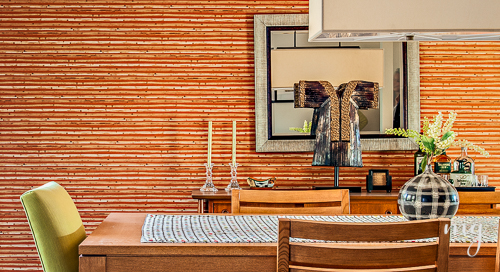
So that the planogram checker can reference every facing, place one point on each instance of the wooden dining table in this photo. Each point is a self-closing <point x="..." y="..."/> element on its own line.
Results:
<point x="116" y="246"/>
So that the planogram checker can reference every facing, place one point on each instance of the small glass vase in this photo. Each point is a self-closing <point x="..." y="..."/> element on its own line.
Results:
<point x="209" y="185"/>
<point x="428" y="196"/>
<point x="234" y="181"/>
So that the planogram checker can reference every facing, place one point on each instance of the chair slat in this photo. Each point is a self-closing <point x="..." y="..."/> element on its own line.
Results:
<point x="290" y="205"/>
<point x="274" y="196"/>
<point x="427" y="268"/>
<point x="296" y="210"/>
<point x="364" y="256"/>
<point x="358" y="232"/>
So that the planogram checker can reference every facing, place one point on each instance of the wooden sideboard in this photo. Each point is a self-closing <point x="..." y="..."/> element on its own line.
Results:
<point x="361" y="203"/>
<point x="216" y="202"/>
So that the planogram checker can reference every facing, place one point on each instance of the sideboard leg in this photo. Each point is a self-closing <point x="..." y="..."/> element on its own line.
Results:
<point x="201" y="206"/>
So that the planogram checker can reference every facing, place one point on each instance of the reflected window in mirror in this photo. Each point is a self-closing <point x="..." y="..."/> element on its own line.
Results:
<point x="292" y="58"/>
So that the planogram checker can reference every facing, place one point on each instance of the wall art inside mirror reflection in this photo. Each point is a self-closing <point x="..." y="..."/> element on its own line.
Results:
<point x="283" y="56"/>
<point x="292" y="58"/>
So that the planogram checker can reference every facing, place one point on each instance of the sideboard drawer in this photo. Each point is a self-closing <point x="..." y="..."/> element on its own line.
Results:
<point x="371" y="207"/>
<point x="219" y="206"/>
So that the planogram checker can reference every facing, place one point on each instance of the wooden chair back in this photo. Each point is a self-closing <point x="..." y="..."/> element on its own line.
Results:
<point x="325" y="202"/>
<point x="478" y="202"/>
<point x="297" y="256"/>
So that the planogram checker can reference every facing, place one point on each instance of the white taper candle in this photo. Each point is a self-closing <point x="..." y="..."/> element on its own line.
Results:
<point x="234" y="142"/>
<point x="209" y="142"/>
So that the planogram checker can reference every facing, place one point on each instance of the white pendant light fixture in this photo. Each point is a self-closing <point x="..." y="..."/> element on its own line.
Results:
<point x="403" y="20"/>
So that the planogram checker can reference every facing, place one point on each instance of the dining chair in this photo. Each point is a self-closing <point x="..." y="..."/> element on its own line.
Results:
<point x="363" y="254"/>
<point x="56" y="227"/>
<point x="478" y="202"/>
<point x="323" y="202"/>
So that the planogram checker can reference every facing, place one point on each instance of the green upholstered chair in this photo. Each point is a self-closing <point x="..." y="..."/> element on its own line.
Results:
<point x="56" y="226"/>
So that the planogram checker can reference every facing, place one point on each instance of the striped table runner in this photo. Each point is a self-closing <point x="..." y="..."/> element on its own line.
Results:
<point x="264" y="228"/>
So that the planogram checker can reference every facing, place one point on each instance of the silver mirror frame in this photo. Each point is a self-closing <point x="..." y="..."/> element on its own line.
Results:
<point x="262" y="142"/>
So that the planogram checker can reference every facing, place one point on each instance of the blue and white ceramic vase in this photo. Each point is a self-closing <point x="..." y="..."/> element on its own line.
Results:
<point x="427" y="196"/>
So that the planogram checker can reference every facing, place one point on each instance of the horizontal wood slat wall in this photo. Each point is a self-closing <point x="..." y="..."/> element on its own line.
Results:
<point x="465" y="77"/>
<point x="112" y="100"/>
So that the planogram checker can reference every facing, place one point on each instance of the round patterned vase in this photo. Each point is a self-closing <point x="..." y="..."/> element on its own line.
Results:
<point x="427" y="196"/>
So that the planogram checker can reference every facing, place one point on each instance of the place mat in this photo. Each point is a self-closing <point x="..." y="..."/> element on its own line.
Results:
<point x="264" y="228"/>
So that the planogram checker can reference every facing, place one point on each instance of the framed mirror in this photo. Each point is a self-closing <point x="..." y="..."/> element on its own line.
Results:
<point x="283" y="56"/>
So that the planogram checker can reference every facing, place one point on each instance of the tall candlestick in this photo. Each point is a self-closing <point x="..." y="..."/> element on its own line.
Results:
<point x="234" y="142"/>
<point x="209" y="142"/>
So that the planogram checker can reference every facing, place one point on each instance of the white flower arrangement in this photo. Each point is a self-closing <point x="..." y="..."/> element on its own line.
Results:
<point x="436" y="137"/>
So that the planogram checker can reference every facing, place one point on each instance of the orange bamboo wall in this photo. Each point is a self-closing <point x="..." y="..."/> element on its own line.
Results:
<point x="111" y="100"/>
<point x="465" y="77"/>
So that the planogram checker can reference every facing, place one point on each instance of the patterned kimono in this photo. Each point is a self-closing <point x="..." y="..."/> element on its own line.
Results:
<point x="336" y="118"/>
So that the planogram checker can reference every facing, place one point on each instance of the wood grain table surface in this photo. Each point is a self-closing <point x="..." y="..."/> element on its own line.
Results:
<point x="116" y="246"/>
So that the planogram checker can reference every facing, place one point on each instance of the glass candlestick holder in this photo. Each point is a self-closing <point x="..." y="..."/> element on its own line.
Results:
<point x="234" y="181"/>
<point x="209" y="185"/>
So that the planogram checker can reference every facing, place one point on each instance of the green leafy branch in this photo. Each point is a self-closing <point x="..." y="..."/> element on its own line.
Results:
<point x="305" y="129"/>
